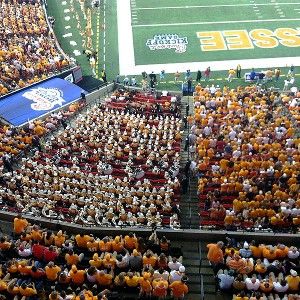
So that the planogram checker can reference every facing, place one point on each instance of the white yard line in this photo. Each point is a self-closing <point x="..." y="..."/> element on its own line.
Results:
<point x="127" y="60"/>
<point x="125" y="37"/>
<point x="212" y="6"/>
<point x="104" y="35"/>
<point x="216" y="22"/>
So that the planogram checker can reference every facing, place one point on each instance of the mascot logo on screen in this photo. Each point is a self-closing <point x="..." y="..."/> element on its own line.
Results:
<point x="44" y="99"/>
<point x="168" y="41"/>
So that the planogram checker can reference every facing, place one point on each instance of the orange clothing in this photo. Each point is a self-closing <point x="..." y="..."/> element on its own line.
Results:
<point x="93" y="246"/>
<point x="145" y="285"/>
<point x="151" y="261"/>
<point x="256" y="251"/>
<point x="27" y="291"/>
<point x="20" y="225"/>
<point x="5" y="245"/>
<point x="82" y="240"/>
<point x="72" y="259"/>
<point x="117" y="246"/>
<point x="179" y="288"/>
<point x="59" y="240"/>
<point x="215" y="254"/>
<point x="160" y="287"/>
<point x="52" y="273"/>
<point x="36" y="235"/>
<point x="77" y="276"/>
<point x="130" y="242"/>
<point x="104" y="279"/>
<point x="104" y="247"/>
<point x="293" y="282"/>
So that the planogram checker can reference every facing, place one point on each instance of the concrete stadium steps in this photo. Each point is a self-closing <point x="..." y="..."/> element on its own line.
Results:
<point x="191" y="261"/>
<point x="209" y="282"/>
<point x="188" y="203"/>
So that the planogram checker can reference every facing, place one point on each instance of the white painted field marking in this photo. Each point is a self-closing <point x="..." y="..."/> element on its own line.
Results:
<point x="216" y="22"/>
<point x="125" y="37"/>
<point x="76" y="52"/>
<point x="67" y="35"/>
<point x="68" y="27"/>
<point x="104" y="36"/>
<point x="73" y="43"/>
<point x="66" y="10"/>
<point x="67" y="18"/>
<point x="212" y="6"/>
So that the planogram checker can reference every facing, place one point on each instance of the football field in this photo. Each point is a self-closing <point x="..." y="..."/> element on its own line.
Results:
<point x="179" y="34"/>
<point x="132" y="36"/>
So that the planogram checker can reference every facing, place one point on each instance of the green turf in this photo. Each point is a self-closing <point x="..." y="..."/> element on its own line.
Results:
<point x="159" y="3"/>
<point x="78" y="25"/>
<point x="169" y="20"/>
<point x="112" y="51"/>
<point x="143" y="56"/>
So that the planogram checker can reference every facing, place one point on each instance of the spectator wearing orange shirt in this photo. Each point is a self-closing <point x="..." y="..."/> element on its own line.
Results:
<point x="215" y="255"/>
<point x="96" y="261"/>
<point x="117" y="244"/>
<point x="52" y="271"/>
<point x="179" y="288"/>
<point x="149" y="259"/>
<point x="160" y="288"/>
<point x="145" y="286"/>
<point x="130" y="241"/>
<point x="82" y="240"/>
<point x="103" y="279"/>
<point x="73" y="258"/>
<point x="20" y="224"/>
<point x="105" y="245"/>
<point x="77" y="276"/>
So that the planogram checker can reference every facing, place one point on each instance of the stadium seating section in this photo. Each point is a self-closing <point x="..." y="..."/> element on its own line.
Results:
<point x="40" y="264"/>
<point x="257" y="271"/>
<point x="28" y="51"/>
<point x="114" y="167"/>
<point x="248" y="158"/>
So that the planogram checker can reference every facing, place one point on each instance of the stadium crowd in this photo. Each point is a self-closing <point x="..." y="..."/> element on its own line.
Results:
<point x="27" y="48"/>
<point x="112" y="168"/>
<point x="14" y="141"/>
<point x="248" y="158"/>
<point x="41" y="264"/>
<point x="256" y="271"/>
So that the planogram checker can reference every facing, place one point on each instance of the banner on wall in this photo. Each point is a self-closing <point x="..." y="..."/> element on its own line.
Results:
<point x="39" y="100"/>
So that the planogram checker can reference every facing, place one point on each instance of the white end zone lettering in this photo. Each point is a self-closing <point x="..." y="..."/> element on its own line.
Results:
<point x="168" y="41"/>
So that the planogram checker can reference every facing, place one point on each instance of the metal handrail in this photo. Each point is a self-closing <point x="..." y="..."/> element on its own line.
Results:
<point x="202" y="294"/>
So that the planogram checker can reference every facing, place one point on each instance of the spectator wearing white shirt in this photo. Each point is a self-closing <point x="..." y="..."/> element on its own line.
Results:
<point x="232" y="134"/>
<point x="252" y="284"/>
<point x="293" y="253"/>
<point x="281" y="286"/>
<point x="177" y="275"/>
<point x="226" y="279"/>
<point x="174" y="264"/>
<point x="25" y="250"/>
<point x="212" y="89"/>
<point x="161" y="273"/>
<point x="207" y="131"/>
<point x="236" y="153"/>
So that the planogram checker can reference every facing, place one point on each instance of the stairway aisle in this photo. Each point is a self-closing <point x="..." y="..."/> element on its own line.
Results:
<point x="209" y="282"/>
<point x="189" y="200"/>
<point x="191" y="261"/>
